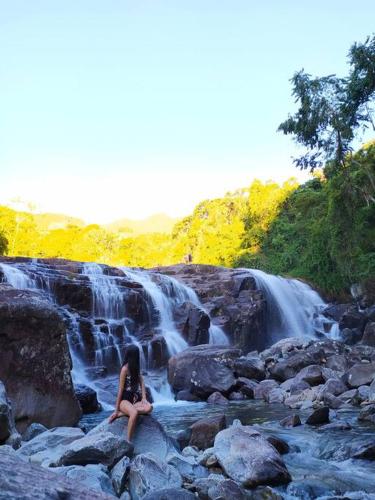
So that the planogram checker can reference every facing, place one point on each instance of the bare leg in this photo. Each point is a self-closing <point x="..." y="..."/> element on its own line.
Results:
<point x="130" y="411"/>
<point x="143" y="408"/>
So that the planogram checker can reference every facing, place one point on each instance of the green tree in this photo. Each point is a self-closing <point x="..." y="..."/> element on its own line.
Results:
<point x="332" y="110"/>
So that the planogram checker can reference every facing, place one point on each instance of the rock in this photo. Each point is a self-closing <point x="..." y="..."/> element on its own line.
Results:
<point x="186" y="395"/>
<point x="196" y="324"/>
<point x="249" y="367"/>
<point x="236" y="396"/>
<point x="29" y="482"/>
<point x="281" y="446"/>
<point x="361" y="395"/>
<point x="32" y="431"/>
<point x="119" y="475"/>
<point x="187" y="467"/>
<point x="348" y="395"/>
<point x="290" y="421"/>
<point x="148" y="473"/>
<point x="369" y="334"/>
<point x="351" y="336"/>
<point x="104" y="448"/>
<point x="307" y="488"/>
<point x="7" y="425"/>
<point x="202" y="486"/>
<point x="338" y="362"/>
<point x="337" y="426"/>
<point x="36" y="363"/>
<point x="87" y="398"/>
<point x="311" y="374"/>
<point x="169" y="494"/>
<point x="159" y="352"/>
<point x="149" y="435"/>
<point x="332" y="386"/>
<point x="217" y="399"/>
<point x="202" y="369"/>
<point x="203" y="431"/>
<point x="336" y="311"/>
<point x="191" y="451"/>
<point x="47" y="447"/>
<point x="265" y="493"/>
<point x="365" y="451"/>
<point x="289" y="367"/>
<point x="226" y="489"/>
<point x="352" y="319"/>
<point x="275" y="395"/>
<point x="263" y="388"/>
<point x="294" y="385"/>
<point x="371" y="392"/>
<point x="248" y="458"/>
<point x="367" y="414"/>
<point x="360" y="374"/>
<point x="318" y="416"/>
<point x="183" y="438"/>
<point x="92" y="476"/>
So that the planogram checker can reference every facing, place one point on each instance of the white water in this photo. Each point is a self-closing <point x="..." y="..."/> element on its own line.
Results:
<point x="17" y="278"/>
<point x="293" y="307"/>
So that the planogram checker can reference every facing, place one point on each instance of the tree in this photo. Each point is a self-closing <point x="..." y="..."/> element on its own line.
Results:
<point x="333" y="110"/>
<point x="3" y="244"/>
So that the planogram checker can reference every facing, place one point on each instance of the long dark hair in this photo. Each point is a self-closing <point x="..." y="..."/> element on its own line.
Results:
<point x="131" y="358"/>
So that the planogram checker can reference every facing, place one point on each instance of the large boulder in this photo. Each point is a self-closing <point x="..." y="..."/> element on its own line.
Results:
<point x="148" y="473"/>
<point x="149" y="435"/>
<point x="289" y="367"/>
<point x="203" y="431"/>
<point x="311" y="374"/>
<point x="195" y="324"/>
<point x="369" y="334"/>
<point x="360" y="374"/>
<point x="36" y="363"/>
<point x="87" y="398"/>
<point x="248" y="458"/>
<point x="32" y="431"/>
<point x="47" y="447"/>
<point x="29" y="482"/>
<point x="7" y="425"/>
<point x="203" y="369"/>
<point x="93" y="476"/>
<point x="187" y="466"/>
<point x="249" y="367"/>
<point x="103" y="448"/>
<point x="119" y="474"/>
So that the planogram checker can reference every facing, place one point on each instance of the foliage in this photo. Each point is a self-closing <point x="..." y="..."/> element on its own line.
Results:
<point x="332" y="110"/>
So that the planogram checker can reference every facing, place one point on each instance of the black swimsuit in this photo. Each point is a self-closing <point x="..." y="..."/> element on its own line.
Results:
<point x="129" y="394"/>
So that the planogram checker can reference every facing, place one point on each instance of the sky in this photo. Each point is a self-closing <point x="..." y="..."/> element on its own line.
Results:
<point x="113" y="109"/>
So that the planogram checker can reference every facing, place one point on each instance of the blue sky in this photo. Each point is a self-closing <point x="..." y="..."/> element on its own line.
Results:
<point x="127" y="108"/>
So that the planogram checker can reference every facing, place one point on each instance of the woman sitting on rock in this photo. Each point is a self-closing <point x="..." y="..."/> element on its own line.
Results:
<point x="131" y="398"/>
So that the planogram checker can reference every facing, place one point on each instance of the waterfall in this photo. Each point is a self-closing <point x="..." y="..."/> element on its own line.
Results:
<point x="17" y="278"/>
<point x="293" y="307"/>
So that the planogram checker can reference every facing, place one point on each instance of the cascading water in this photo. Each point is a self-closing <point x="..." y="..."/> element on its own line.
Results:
<point x="293" y="307"/>
<point x="17" y="278"/>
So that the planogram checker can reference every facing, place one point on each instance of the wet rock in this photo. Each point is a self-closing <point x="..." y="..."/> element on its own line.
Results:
<point x="93" y="476"/>
<point x="30" y="482"/>
<point x="289" y="367"/>
<point x="291" y="421"/>
<point x="248" y="458"/>
<point x="318" y="416"/>
<point x="265" y="493"/>
<point x="148" y="473"/>
<point x="337" y="425"/>
<point x="119" y="475"/>
<point x="7" y="425"/>
<point x="36" y="363"/>
<point x="149" y="435"/>
<point x="331" y="401"/>
<point x="336" y="311"/>
<point x="186" y="395"/>
<point x="365" y="451"/>
<point x="202" y="369"/>
<point x="249" y="367"/>
<point x="367" y="414"/>
<point x="307" y="488"/>
<point x="369" y="334"/>
<point x="361" y="395"/>
<point x="294" y="385"/>
<point x="281" y="446"/>
<point x="332" y="386"/>
<point x="87" y="398"/>
<point x="360" y="374"/>
<point x="32" y="431"/>
<point x="371" y="392"/>
<point x="169" y="494"/>
<point x="217" y="399"/>
<point x="183" y="438"/>
<point x="196" y="324"/>
<point x="236" y="396"/>
<point x="351" y="336"/>
<point x="348" y="395"/>
<point x="202" y="486"/>
<point x="203" y="431"/>
<point x="159" y="352"/>
<point x="104" y="448"/>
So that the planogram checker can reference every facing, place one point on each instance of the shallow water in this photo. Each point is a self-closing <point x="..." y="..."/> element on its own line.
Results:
<point x="317" y="459"/>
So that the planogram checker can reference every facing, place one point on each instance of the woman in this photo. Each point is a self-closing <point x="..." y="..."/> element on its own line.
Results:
<point x="131" y="397"/>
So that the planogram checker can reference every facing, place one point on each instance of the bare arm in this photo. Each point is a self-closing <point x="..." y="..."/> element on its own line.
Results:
<point x="120" y="387"/>
<point x="143" y="388"/>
